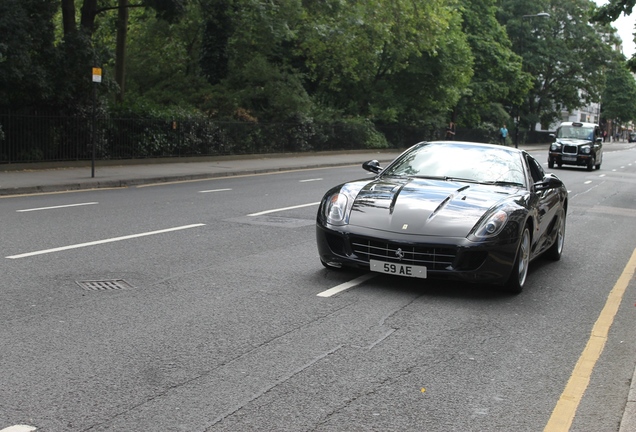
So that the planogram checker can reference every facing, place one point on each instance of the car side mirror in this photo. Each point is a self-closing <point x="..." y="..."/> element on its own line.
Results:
<point x="552" y="136"/>
<point x="372" y="166"/>
<point x="550" y="181"/>
<point x="599" y="140"/>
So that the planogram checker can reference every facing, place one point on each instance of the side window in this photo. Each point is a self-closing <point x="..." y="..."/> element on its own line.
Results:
<point x="536" y="171"/>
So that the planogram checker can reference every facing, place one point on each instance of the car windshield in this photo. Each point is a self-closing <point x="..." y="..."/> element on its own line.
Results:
<point x="577" y="132"/>
<point x="463" y="162"/>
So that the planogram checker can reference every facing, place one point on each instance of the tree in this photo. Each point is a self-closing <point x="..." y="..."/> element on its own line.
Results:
<point x="610" y="12"/>
<point x="163" y="68"/>
<point x="498" y="77"/>
<point x="354" y="55"/>
<point x="564" y="54"/>
<point x="91" y="9"/>
<point x="619" y="96"/>
<point x="27" y="53"/>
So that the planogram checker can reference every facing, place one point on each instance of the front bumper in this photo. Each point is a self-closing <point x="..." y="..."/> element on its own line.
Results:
<point x="445" y="258"/>
<point x="569" y="159"/>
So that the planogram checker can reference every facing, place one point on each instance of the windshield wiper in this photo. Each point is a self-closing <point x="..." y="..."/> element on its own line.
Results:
<point x="445" y="178"/>
<point x="503" y="183"/>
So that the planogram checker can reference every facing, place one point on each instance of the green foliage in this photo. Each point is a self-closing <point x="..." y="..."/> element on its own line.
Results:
<point x="372" y="58"/>
<point x="619" y="97"/>
<point x="563" y="53"/>
<point x="497" y="77"/>
<point x="27" y="55"/>
<point x="163" y="60"/>
<point x="297" y="75"/>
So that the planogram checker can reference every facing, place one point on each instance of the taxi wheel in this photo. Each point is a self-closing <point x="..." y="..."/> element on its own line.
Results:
<point x="590" y="164"/>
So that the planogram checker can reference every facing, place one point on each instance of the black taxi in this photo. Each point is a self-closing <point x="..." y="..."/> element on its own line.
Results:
<point x="577" y="143"/>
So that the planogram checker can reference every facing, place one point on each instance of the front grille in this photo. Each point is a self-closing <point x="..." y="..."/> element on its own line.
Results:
<point x="433" y="257"/>
<point x="570" y="149"/>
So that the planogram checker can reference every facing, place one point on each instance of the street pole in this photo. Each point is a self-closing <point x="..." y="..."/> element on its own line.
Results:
<point x="521" y="48"/>
<point x="97" y="78"/>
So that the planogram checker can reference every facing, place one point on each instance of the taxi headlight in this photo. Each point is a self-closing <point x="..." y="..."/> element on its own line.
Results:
<point x="555" y="147"/>
<point x="586" y="150"/>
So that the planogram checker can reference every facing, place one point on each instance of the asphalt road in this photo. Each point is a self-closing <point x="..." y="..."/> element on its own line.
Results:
<point x="220" y="317"/>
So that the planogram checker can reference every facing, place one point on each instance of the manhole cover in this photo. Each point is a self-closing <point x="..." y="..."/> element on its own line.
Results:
<point x="104" y="285"/>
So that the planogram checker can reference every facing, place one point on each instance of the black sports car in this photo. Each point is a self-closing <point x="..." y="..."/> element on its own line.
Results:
<point x="446" y="209"/>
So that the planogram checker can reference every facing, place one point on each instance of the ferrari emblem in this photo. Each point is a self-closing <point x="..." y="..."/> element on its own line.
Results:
<point x="405" y="226"/>
<point x="399" y="253"/>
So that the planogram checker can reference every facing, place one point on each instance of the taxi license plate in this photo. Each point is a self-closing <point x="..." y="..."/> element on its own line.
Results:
<point x="569" y="158"/>
<point x="397" y="269"/>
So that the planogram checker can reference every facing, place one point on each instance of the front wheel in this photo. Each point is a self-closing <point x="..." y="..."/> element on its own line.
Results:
<point x="519" y="272"/>
<point x="550" y="163"/>
<point x="590" y="164"/>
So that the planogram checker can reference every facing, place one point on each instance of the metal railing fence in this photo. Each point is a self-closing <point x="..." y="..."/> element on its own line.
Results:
<point x="41" y="138"/>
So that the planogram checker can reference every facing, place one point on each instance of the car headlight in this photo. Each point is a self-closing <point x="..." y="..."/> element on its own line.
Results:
<point x="586" y="149"/>
<point x="335" y="210"/>
<point x="492" y="224"/>
<point x="555" y="147"/>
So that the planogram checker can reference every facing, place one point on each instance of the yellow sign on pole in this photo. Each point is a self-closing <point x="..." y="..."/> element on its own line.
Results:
<point x="97" y="75"/>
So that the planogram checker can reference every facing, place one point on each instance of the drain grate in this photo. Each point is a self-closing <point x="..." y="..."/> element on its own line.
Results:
<point x="104" y="285"/>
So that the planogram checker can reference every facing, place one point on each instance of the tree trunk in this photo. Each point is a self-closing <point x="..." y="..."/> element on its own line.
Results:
<point x="89" y="13"/>
<point x="120" y="50"/>
<point x="68" y="16"/>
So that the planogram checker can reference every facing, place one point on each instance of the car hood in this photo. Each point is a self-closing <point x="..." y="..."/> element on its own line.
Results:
<point x="425" y="207"/>
<point x="573" y="141"/>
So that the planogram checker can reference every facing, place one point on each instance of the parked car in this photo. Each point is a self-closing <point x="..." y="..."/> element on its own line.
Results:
<point x="632" y="137"/>
<point x="446" y="209"/>
<point x="577" y="143"/>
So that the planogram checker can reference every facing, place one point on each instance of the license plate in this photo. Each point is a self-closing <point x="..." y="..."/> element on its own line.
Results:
<point x="569" y="158"/>
<point x="398" y="269"/>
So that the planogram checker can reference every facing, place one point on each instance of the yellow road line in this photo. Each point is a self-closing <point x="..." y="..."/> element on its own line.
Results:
<point x="563" y="413"/>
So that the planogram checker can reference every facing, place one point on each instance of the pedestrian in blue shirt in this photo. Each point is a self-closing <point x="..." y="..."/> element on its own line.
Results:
<point x="503" y="134"/>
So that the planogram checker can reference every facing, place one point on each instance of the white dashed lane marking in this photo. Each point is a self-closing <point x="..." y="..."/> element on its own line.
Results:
<point x="93" y="243"/>
<point x="56" y="207"/>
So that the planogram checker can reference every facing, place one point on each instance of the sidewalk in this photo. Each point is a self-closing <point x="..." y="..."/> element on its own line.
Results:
<point x="55" y="177"/>
<point x="41" y="178"/>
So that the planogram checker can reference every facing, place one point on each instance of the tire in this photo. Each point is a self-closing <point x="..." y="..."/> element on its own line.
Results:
<point x="590" y="164"/>
<point x="598" y="166"/>
<point x="519" y="273"/>
<point x="550" y="163"/>
<point x="555" y="251"/>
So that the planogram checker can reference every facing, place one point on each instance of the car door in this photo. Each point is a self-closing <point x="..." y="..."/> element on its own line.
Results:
<point x="546" y="203"/>
<point x="598" y="145"/>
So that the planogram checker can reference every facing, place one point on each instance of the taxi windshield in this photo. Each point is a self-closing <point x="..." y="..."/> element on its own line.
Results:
<point x="578" y="132"/>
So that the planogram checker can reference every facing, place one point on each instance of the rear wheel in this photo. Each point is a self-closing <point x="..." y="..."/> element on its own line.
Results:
<point x="519" y="272"/>
<point x="555" y="251"/>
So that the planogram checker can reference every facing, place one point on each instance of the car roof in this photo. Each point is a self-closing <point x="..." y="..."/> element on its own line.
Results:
<point x="582" y="124"/>
<point x="475" y="144"/>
